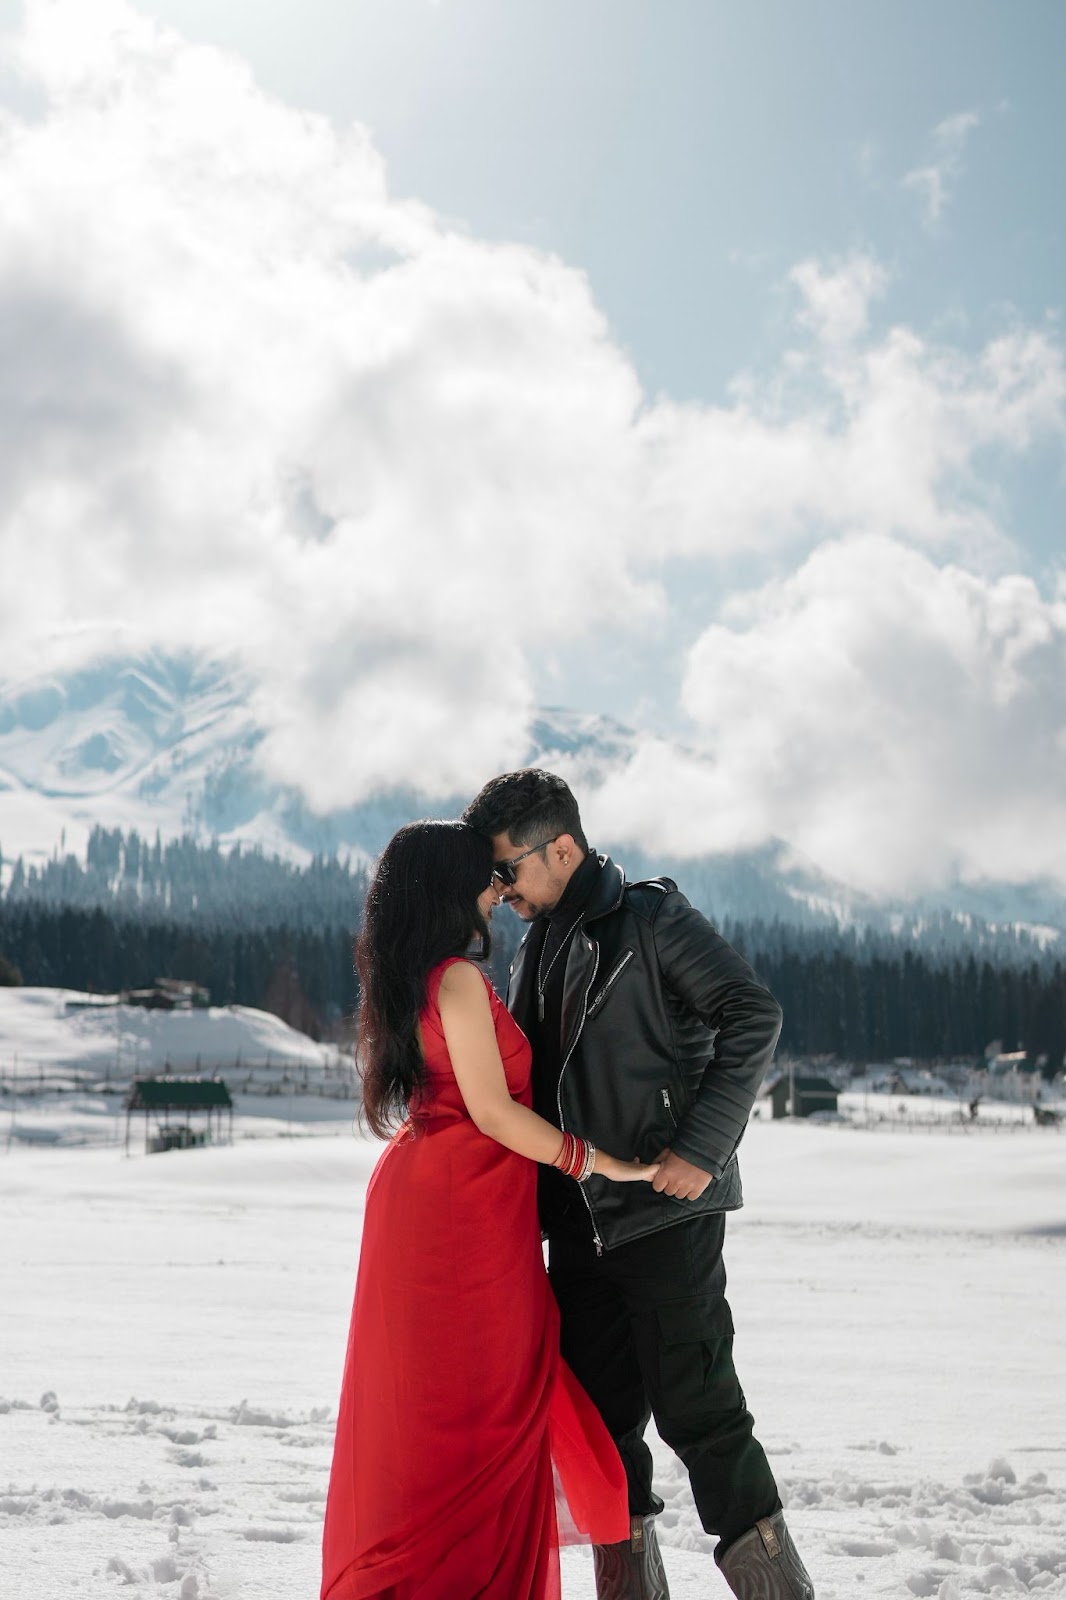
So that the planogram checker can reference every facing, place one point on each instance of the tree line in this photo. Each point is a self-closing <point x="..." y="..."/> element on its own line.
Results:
<point x="908" y="1004"/>
<point x="258" y="931"/>
<point x="303" y="975"/>
<point x="905" y="1004"/>
<point x="183" y="880"/>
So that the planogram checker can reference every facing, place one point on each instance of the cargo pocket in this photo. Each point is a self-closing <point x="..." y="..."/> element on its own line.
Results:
<point x="689" y="1321"/>
<point x="695" y="1359"/>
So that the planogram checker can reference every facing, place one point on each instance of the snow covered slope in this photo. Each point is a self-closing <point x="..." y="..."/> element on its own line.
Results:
<point x="54" y="1031"/>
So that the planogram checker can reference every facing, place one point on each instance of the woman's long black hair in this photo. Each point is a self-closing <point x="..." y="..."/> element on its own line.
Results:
<point x="420" y="908"/>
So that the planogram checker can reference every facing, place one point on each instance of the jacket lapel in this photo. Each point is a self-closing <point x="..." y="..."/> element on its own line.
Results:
<point x="581" y="962"/>
<point x="583" y="956"/>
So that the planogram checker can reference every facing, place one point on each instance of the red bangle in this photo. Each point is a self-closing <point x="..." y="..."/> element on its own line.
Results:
<point x="578" y="1155"/>
<point x="575" y="1158"/>
<point x="565" y="1159"/>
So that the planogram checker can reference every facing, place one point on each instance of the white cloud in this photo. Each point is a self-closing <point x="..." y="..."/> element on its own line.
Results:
<point x="896" y="722"/>
<point x="883" y="434"/>
<point x="837" y="302"/>
<point x="252" y="402"/>
<point x="256" y="403"/>
<point x="934" y="182"/>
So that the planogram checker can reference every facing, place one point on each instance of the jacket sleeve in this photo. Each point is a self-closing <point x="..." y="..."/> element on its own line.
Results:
<point x="714" y="982"/>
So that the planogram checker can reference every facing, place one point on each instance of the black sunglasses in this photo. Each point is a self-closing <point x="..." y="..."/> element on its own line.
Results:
<point x="505" y="870"/>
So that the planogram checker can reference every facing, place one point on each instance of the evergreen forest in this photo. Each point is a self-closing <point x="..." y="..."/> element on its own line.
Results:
<point x="256" y="930"/>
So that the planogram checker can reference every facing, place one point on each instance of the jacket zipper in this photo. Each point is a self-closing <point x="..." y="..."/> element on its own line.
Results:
<point x="559" y="1092"/>
<point x="612" y="979"/>
<point x="669" y="1106"/>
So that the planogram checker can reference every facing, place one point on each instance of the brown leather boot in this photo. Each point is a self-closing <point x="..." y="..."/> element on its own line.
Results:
<point x="763" y="1564"/>
<point x="632" y="1569"/>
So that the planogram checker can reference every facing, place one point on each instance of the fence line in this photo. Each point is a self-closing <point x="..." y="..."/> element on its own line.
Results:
<point x="28" y="1096"/>
<point x="243" y="1076"/>
<point x="277" y="1080"/>
<point x="965" y="1125"/>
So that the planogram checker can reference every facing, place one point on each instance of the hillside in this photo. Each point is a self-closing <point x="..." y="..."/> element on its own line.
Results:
<point x="57" y="1033"/>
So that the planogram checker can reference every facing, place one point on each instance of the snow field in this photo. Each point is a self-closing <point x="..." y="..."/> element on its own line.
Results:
<point x="50" y="1031"/>
<point x="173" y="1327"/>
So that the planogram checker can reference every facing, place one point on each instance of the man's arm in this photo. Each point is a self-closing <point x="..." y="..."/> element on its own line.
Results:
<point x="713" y="981"/>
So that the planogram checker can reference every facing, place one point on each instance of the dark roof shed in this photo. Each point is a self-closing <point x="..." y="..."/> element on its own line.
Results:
<point x="178" y="1094"/>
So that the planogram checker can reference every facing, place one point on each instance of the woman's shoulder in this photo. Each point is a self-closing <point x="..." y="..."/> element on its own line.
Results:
<point x="458" y="975"/>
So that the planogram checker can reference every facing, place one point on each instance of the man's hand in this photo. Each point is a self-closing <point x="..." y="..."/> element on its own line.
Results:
<point x="679" y="1177"/>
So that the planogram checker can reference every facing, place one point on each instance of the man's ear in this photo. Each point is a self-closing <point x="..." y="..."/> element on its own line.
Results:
<point x="567" y="847"/>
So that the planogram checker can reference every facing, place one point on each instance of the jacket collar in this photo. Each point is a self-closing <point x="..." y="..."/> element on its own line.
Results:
<point x="607" y="892"/>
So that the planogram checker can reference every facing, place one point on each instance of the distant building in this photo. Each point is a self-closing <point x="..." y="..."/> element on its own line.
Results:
<point x="812" y="1093"/>
<point x="187" y="1098"/>
<point x="1011" y="1061"/>
<point x="169" y="994"/>
<point x="920" y="1080"/>
<point x="902" y="1077"/>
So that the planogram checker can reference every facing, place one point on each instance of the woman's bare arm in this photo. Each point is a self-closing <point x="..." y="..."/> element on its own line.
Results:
<point x="466" y="1017"/>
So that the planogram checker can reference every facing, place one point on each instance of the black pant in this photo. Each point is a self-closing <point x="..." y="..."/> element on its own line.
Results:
<point x="647" y="1331"/>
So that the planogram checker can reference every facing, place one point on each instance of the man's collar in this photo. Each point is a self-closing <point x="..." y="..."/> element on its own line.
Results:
<point x="607" y="890"/>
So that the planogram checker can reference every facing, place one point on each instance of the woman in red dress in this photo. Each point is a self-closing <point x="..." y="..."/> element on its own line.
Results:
<point x="465" y="1450"/>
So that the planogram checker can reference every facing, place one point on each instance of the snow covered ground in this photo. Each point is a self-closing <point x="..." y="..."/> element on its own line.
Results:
<point x="45" y="1031"/>
<point x="172" y="1329"/>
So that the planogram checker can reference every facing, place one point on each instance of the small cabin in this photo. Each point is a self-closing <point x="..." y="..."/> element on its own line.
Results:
<point x="169" y="994"/>
<point x="189" y="1100"/>
<point x="811" y="1094"/>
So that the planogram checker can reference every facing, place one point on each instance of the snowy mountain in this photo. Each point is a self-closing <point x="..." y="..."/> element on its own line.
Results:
<point x="167" y="743"/>
<point x="125" y="743"/>
<point x="159" y="742"/>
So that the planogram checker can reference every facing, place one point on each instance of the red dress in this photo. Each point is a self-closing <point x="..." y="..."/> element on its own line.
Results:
<point x="455" y="1404"/>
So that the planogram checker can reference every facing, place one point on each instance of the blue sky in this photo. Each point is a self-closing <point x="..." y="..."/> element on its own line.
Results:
<point x="685" y="155"/>
<point x="698" y="363"/>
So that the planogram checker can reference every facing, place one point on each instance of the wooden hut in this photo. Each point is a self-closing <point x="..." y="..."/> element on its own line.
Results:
<point x="811" y="1094"/>
<point x="187" y="1098"/>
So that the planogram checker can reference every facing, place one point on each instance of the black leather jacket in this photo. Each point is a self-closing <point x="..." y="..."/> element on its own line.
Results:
<point x="666" y="1036"/>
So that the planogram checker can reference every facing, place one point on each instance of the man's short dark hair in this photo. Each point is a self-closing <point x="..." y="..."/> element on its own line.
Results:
<point x="530" y="805"/>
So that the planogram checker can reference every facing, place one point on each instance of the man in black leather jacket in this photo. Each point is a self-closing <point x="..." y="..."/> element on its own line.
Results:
<point x="650" y="1036"/>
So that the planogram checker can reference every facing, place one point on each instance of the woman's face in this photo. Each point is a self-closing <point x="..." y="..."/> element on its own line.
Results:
<point x="487" y="901"/>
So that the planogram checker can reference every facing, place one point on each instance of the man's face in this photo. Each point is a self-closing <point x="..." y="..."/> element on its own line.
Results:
<point x="540" y="878"/>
